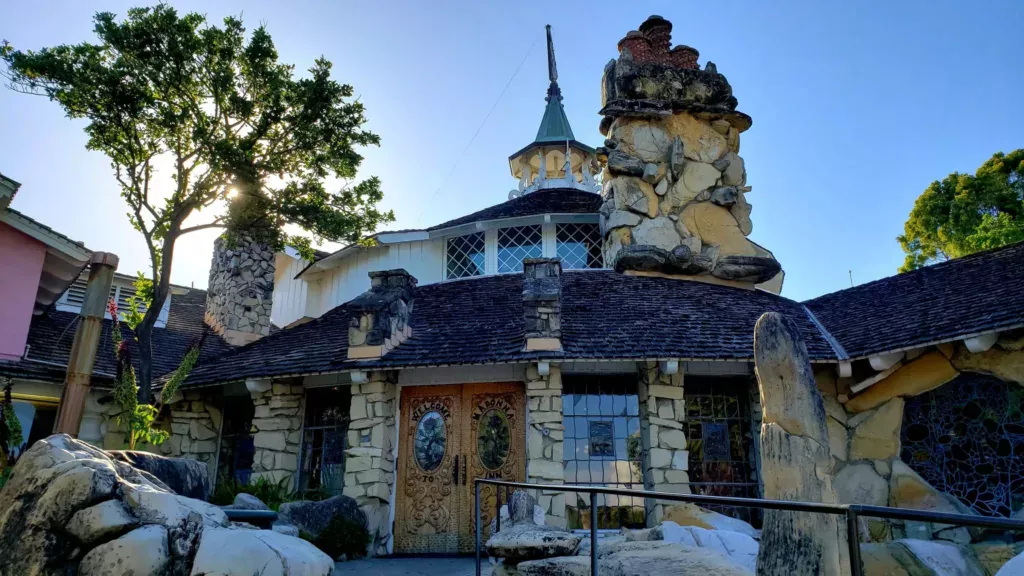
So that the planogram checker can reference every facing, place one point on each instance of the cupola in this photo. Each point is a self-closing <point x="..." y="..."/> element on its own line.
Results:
<point x="555" y="159"/>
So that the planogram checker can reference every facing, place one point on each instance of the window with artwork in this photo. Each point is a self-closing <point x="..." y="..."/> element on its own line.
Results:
<point x="236" y="446"/>
<point x="966" y="438"/>
<point x="324" y="439"/>
<point x="464" y="256"/>
<point x="720" y="441"/>
<point x="579" y="246"/>
<point x="516" y="244"/>
<point x="602" y="447"/>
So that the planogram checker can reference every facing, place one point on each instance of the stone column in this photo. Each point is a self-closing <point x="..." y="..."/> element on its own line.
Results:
<point x="241" y="290"/>
<point x="666" y="460"/>
<point x="545" y="440"/>
<point x="796" y="461"/>
<point x="277" y="421"/>
<point x="195" y="426"/>
<point x="370" y="458"/>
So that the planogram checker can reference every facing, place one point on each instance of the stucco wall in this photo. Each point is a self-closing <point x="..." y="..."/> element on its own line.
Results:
<point x="21" y="262"/>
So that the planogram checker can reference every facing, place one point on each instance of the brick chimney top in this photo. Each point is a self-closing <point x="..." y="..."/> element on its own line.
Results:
<point x="652" y="44"/>
<point x="380" y="316"/>
<point x="542" y="303"/>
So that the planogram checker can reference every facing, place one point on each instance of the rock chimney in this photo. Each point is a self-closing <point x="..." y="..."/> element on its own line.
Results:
<point x="542" y="303"/>
<point x="380" y="316"/>
<point x="675" y="186"/>
<point x="241" y="290"/>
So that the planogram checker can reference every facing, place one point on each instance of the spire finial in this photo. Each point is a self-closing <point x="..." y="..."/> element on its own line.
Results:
<point x="553" y="90"/>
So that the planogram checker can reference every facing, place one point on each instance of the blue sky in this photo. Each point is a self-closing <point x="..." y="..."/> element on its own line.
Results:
<point x="857" y="107"/>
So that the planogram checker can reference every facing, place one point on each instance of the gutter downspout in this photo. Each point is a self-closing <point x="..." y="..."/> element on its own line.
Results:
<point x="87" y="338"/>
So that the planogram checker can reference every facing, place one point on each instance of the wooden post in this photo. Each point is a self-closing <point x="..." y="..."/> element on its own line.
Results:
<point x="87" y="339"/>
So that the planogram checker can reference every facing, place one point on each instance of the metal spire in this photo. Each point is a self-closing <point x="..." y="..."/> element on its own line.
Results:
<point x="553" y="90"/>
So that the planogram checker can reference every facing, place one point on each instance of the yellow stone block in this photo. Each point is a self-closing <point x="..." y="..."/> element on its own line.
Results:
<point x="716" y="225"/>
<point x="926" y="373"/>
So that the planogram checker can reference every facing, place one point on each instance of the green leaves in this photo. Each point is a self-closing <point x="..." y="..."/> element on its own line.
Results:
<point x="964" y="213"/>
<point x="201" y="118"/>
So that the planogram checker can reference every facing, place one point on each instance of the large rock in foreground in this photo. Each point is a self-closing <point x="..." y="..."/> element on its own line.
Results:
<point x="313" y="517"/>
<point x="635" y="558"/>
<point x="796" y="460"/>
<point x="919" y="557"/>
<point x="530" y="542"/>
<point x="70" y="508"/>
<point x="184" y="477"/>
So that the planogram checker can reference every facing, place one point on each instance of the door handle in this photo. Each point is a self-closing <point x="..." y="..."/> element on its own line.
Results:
<point x="465" y="468"/>
<point x="455" y="479"/>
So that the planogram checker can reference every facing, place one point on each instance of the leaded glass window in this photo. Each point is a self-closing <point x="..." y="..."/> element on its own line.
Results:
<point x="464" y="256"/>
<point x="579" y="246"/>
<point x="602" y="447"/>
<point x="236" y="445"/>
<point x="966" y="438"/>
<point x="515" y="244"/>
<point x="720" y="442"/>
<point x="324" y="439"/>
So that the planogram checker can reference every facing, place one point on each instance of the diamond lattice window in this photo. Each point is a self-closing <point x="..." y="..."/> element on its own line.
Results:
<point x="465" y="256"/>
<point x="515" y="244"/>
<point x="579" y="246"/>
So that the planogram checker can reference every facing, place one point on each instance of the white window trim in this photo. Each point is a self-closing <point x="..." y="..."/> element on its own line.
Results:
<point x="63" y="305"/>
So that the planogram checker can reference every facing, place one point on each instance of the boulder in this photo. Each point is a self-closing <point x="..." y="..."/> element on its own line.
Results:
<point x="796" y="461"/>
<point x="70" y="508"/>
<point x="686" y="514"/>
<point x="1013" y="568"/>
<point x="184" y="477"/>
<point x="994" y="555"/>
<point x="245" y="501"/>
<point x="652" y="559"/>
<point x="264" y="552"/>
<point x="908" y="490"/>
<point x="918" y="558"/>
<point x="741" y="549"/>
<point x="313" y="517"/>
<point x="620" y="162"/>
<point x="141" y="552"/>
<point x="530" y="542"/>
<point x="524" y="511"/>
<point x="560" y="566"/>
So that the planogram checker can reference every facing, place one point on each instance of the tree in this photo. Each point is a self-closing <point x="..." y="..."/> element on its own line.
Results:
<point x="198" y="118"/>
<point x="965" y="213"/>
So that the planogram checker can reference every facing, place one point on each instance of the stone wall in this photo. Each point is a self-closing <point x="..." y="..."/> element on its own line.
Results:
<point x="674" y="184"/>
<point x="865" y="433"/>
<point x="665" y="456"/>
<point x="195" y="422"/>
<point x="241" y="290"/>
<point x="370" y="458"/>
<point x="277" y="421"/>
<point x="545" y="440"/>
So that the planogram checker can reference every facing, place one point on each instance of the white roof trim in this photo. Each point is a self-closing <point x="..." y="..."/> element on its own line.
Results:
<point x="34" y="230"/>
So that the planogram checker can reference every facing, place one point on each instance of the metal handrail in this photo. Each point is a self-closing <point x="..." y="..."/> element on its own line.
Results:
<point x="851" y="511"/>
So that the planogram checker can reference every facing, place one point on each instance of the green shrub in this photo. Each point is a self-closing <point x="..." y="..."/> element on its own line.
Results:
<point x="342" y="536"/>
<point x="271" y="494"/>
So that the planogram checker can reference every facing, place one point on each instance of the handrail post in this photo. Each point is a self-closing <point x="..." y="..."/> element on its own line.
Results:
<point x="593" y="534"/>
<point x="853" y="540"/>
<point x="497" y="509"/>
<point x="476" y="509"/>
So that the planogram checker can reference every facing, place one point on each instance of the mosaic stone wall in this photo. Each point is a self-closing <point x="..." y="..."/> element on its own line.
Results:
<point x="967" y="439"/>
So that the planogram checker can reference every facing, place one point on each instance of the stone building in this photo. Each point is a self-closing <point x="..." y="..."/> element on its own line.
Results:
<point x="589" y="334"/>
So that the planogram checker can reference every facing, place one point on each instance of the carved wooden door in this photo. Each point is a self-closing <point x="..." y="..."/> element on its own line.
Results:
<point x="428" y="516"/>
<point x="494" y="446"/>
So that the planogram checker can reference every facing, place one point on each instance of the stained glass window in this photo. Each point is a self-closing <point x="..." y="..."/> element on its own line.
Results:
<point x="324" y="439"/>
<point x="579" y="246"/>
<point x="602" y="447"/>
<point x="464" y="256"/>
<point x="493" y="439"/>
<point x="719" y="440"/>
<point x="431" y="441"/>
<point x="515" y="244"/>
<point x="966" y="438"/>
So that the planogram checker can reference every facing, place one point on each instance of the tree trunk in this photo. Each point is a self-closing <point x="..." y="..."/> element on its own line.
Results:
<point x="144" y="331"/>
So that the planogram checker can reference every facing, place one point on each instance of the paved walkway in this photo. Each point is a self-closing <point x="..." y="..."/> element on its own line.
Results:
<point x="410" y="567"/>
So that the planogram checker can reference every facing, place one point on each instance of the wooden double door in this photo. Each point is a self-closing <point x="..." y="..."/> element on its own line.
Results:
<point x="451" y="435"/>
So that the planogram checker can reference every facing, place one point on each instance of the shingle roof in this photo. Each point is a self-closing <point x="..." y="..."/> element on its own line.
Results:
<point x="948" y="301"/>
<point x="47" y="228"/>
<point x="51" y="334"/>
<point x="605" y="315"/>
<point x="554" y="201"/>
